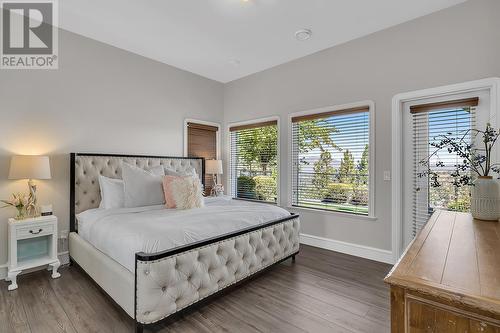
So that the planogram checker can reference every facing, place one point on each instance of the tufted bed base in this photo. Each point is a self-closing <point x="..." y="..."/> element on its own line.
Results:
<point x="166" y="284"/>
<point x="170" y="282"/>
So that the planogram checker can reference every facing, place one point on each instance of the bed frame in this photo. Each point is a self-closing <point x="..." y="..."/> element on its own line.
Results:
<point x="169" y="283"/>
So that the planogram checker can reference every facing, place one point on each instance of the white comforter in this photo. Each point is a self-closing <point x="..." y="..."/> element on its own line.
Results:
<point x="120" y="233"/>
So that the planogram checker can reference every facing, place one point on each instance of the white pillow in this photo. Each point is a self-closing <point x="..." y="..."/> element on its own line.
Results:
<point x="187" y="193"/>
<point x="188" y="172"/>
<point x="112" y="193"/>
<point x="157" y="170"/>
<point x="141" y="187"/>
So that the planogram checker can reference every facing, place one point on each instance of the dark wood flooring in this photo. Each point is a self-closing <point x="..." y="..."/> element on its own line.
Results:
<point x="322" y="291"/>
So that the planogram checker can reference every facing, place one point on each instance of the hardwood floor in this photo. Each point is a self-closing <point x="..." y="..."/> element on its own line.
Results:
<point x="322" y="291"/>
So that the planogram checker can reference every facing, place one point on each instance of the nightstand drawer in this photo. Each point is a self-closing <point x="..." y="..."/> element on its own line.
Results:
<point x="35" y="230"/>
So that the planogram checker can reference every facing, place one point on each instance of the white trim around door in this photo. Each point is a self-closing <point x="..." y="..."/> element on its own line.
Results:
<point x="490" y="84"/>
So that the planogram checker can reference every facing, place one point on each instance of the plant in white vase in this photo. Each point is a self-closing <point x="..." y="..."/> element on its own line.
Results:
<point x="21" y="202"/>
<point x="474" y="149"/>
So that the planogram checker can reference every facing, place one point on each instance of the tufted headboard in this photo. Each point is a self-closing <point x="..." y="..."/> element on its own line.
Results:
<point x="86" y="168"/>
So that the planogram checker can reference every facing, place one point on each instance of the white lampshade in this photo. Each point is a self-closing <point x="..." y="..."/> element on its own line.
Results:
<point x="213" y="167"/>
<point x="29" y="167"/>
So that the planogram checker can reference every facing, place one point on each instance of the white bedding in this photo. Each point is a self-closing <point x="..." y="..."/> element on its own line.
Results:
<point x="122" y="232"/>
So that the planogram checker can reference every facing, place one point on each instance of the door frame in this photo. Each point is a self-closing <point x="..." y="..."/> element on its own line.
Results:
<point x="490" y="84"/>
<point x="202" y="122"/>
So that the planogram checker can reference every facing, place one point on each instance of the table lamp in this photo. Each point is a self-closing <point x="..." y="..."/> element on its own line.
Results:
<point x="30" y="167"/>
<point x="214" y="168"/>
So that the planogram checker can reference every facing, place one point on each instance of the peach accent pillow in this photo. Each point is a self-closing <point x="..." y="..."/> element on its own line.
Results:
<point x="169" y="193"/>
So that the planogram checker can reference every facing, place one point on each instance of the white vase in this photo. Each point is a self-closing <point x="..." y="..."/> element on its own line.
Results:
<point x="485" y="199"/>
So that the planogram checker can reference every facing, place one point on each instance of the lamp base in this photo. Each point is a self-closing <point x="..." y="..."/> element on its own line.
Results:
<point x="217" y="189"/>
<point x="32" y="208"/>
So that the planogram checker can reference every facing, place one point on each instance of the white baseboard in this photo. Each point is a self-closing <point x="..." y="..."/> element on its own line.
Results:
<point x="63" y="258"/>
<point x="362" y="251"/>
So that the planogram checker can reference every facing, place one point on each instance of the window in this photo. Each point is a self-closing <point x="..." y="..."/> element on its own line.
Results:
<point x="331" y="160"/>
<point x="202" y="142"/>
<point x="430" y="124"/>
<point x="254" y="161"/>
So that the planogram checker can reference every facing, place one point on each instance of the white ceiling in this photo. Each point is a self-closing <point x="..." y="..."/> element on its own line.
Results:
<point x="227" y="39"/>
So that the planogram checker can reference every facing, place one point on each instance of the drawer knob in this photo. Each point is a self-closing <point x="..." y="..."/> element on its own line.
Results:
<point x="36" y="232"/>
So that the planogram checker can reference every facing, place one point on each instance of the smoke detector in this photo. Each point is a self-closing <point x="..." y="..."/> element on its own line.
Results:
<point x="303" y="34"/>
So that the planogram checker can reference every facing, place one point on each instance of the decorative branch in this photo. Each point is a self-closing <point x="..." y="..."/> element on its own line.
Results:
<point x="477" y="160"/>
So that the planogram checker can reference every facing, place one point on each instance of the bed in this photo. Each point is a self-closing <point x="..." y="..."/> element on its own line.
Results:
<point x="156" y="263"/>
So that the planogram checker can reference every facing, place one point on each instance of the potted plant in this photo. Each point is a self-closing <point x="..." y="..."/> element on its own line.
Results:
<point x="475" y="168"/>
<point x="21" y="202"/>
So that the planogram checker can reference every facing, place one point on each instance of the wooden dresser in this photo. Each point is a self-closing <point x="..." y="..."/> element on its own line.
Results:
<point x="448" y="280"/>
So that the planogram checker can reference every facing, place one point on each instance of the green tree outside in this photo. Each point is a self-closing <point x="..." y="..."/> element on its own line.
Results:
<point x="347" y="169"/>
<point x="323" y="174"/>
<point x="258" y="149"/>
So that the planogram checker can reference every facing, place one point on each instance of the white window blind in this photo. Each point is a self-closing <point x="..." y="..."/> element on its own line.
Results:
<point x="431" y="122"/>
<point x="330" y="161"/>
<point x="254" y="160"/>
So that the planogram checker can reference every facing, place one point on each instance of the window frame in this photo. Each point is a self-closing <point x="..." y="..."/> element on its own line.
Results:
<point x="185" y="143"/>
<point x="278" y="156"/>
<point x="371" y="151"/>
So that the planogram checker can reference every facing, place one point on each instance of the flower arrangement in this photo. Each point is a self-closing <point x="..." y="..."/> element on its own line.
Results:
<point x="474" y="168"/>
<point x="473" y="158"/>
<point x="21" y="202"/>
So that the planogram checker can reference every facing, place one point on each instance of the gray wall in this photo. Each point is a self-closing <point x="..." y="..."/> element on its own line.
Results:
<point x="458" y="44"/>
<point x="102" y="99"/>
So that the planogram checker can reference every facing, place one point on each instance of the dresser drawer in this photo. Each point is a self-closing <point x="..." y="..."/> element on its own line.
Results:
<point x="429" y="318"/>
<point x="35" y="230"/>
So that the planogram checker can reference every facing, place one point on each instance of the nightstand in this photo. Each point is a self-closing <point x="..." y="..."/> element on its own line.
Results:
<point x="32" y="243"/>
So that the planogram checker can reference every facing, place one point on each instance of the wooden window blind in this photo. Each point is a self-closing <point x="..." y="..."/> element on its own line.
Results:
<point x="430" y="122"/>
<point x="202" y="142"/>
<point x="330" y="160"/>
<point x="325" y="115"/>
<point x="253" y="125"/>
<point x="254" y="161"/>
<point x="458" y="103"/>
<point x="203" y="127"/>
